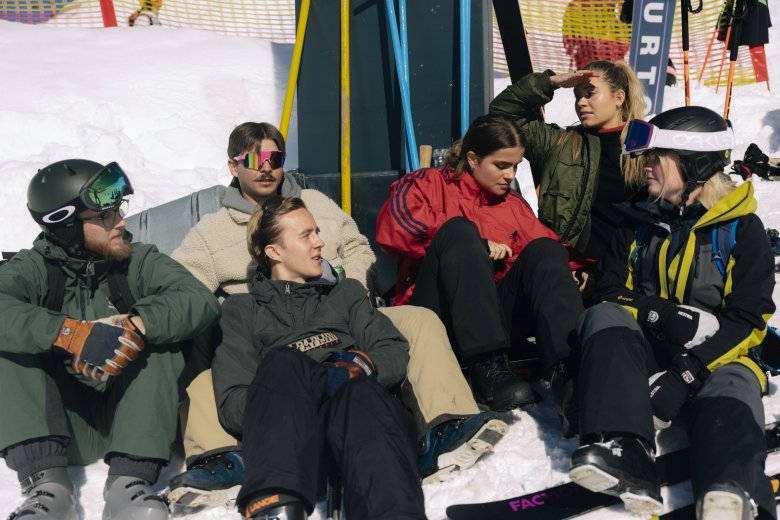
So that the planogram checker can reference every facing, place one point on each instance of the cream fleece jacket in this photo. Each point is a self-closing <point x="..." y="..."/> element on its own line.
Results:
<point x="215" y="250"/>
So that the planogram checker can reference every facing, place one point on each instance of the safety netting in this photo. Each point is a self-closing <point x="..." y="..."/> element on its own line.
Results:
<point x="561" y="34"/>
<point x="566" y="35"/>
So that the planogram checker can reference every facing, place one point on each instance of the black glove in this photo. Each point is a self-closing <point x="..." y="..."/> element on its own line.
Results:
<point x="671" y="389"/>
<point x="345" y="365"/>
<point x="665" y="321"/>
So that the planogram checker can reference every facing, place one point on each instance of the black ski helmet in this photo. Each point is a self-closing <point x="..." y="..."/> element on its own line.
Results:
<point x="697" y="166"/>
<point x="54" y="199"/>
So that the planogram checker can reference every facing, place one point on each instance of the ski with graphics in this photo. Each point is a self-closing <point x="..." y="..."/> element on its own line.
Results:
<point x="569" y="500"/>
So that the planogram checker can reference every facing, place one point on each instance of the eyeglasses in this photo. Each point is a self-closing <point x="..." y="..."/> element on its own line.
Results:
<point x="254" y="160"/>
<point x="106" y="189"/>
<point x="110" y="217"/>
<point x="642" y="136"/>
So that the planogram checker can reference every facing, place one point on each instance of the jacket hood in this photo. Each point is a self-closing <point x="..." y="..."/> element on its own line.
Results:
<point x="235" y="201"/>
<point x="57" y="255"/>
<point x="739" y="202"/>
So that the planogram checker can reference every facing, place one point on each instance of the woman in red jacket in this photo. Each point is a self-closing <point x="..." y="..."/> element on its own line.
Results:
<point x="471" y="249"/>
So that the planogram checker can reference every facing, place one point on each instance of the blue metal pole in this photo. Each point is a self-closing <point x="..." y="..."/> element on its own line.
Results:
<point x="404" y="85"/>
<point x="405" y="54"/>
<point x="465" y="65"/>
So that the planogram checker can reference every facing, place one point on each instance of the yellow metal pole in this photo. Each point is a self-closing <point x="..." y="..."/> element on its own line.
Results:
<point x="295" y="66"/>
<point x="346" y="167"/>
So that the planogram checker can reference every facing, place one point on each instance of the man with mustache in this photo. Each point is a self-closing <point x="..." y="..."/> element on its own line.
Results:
<point x="90" y="333"/>
<point x="453" y="432"/>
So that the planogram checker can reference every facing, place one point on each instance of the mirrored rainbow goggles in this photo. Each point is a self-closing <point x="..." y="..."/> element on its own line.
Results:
<point x="255" y="160"/>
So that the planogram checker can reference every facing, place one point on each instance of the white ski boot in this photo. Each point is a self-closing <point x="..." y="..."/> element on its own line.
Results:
<point x="49" y="496"/>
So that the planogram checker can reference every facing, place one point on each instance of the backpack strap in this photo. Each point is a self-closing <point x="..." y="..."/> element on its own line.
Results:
<point x="723" y="238"/>
<point x="641" y="239"/>
<point x="55" y="281"/>
<point x="119" y="288"/>
<point x="7" y="255"/>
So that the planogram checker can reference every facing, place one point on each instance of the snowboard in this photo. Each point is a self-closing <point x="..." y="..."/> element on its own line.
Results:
<point x="570" y="500"/>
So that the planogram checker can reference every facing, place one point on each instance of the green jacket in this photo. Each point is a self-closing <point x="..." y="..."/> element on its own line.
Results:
<point x="173" y="305"/>
<point x="566" y="183"/>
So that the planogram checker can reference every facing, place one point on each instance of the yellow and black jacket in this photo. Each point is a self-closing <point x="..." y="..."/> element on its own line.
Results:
<point x="667" y="258"/>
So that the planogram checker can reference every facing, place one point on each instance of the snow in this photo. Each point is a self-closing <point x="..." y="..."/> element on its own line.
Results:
<point x="162" y="103"/>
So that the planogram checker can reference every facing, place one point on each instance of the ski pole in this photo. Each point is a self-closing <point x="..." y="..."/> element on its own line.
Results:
<point x="737" y="24"/>
<point x="465" y="65"/>
<point x="295" y="66"/>
<point x="712" y="41"/>
<point x="726" y="43"/>
<point x="685" y="8"/>
<point x="346" y="164"/>
<point x="404" y="86"/>
<point x="729" y="32"/>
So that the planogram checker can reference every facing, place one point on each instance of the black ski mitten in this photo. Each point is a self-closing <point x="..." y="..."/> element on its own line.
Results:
<point x="668" y="322"/>
<point x="671" y="389"/>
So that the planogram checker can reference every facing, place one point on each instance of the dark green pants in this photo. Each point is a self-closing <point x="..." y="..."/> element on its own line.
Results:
<point x="134" y="414"/>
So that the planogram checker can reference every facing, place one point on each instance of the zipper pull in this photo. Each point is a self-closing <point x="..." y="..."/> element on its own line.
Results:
<point x="287" y="288"/>
<point x="89" y="270"/>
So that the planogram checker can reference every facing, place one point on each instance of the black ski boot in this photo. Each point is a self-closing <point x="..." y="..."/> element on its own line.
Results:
<point x="495" y="385"/>
<point x="622" y="467"/>
<point x="49" y="496"/>
<point x="725" y="501"/>
<point x="275" y="507"/>
<point x="564" y="390"/>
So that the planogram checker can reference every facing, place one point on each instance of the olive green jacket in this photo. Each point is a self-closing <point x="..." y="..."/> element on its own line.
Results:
<point x="173" y="305"/>
<point x="566" y="182"/>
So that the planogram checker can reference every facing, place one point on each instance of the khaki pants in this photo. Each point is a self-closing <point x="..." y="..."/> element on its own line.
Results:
<point x="435" y="388"/>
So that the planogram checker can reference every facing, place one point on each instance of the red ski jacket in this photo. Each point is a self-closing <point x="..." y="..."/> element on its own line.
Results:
<point x="422" y="200"/>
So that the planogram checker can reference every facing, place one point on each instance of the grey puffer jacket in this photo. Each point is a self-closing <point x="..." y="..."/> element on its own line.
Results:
<point x="318" y="317"/>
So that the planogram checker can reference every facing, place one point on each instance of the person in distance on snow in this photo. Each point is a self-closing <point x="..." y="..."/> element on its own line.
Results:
<point x="682" y="312"/>
<point x="90" y="351"/>
<point x="471" y="249"/>
<point x="303" y="369"/>
<point x="453" y="432"/>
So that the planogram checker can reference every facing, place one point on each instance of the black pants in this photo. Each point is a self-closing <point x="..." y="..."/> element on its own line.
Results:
<point x="536" y="297"/>
<point x="724" y="420"/>
<point x="292" y="426"/>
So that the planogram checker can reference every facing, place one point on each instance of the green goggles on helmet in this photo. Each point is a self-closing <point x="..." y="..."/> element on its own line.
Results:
<point x="106" y="189"/>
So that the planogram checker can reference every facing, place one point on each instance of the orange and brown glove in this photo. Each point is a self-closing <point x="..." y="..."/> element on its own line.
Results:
<point x="101" y="348"/>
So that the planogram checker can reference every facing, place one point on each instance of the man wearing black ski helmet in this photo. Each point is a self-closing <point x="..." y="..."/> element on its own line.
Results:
<point x="91" y="336"/>
<point x="702" y="139"/>
<point x="60" y="191"/>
